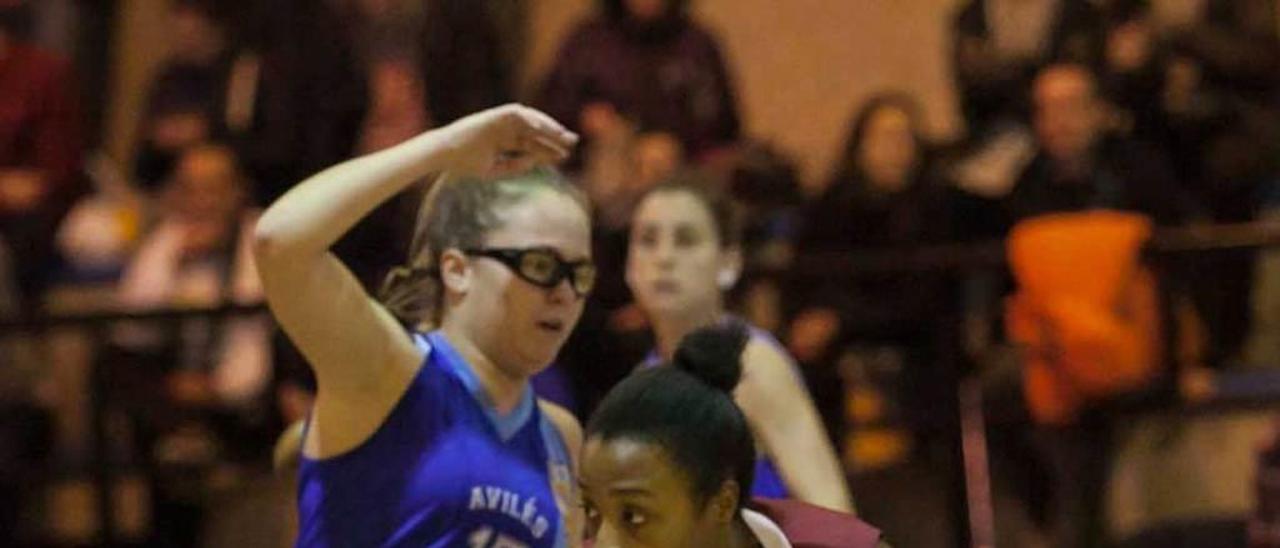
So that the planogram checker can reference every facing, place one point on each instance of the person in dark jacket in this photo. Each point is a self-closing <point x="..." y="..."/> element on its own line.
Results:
<point x="998" y="45"/>
<point x="1080" y="164"/>
<point x="40" y="150"/>
<point x="646" y="63"/>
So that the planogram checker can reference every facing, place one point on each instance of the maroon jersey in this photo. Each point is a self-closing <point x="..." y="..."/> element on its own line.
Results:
<point x="808" y="526"/>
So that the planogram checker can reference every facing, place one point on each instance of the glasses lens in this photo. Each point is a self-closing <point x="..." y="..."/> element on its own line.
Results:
<point x="584" y="278"/>
<point x="539" y="266"/>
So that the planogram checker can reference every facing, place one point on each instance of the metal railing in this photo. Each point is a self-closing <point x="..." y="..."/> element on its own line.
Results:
<point x="1237" y="391"/>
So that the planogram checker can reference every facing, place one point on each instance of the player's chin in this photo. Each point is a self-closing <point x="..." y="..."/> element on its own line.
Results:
<point x="663" y="306"/>
<point x="541" y="348"/>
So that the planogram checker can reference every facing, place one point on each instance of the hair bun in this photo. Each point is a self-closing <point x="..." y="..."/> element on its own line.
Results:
<point x="714" y="354"/>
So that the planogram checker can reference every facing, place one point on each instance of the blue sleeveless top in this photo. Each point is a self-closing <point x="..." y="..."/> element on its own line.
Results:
<point x="444" y="469"/>
<point x="768" y="482"/>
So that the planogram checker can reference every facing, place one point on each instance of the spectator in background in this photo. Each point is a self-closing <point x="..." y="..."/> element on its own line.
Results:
<point x="882" y="182"/>
<point x="309" y="100"/>
<point x="766" y="184"/>
<point x="40" y="155"/>
<point x="40" y="151"/>
<point x="342" y="77"/>
<point x="1235" y="44"/>
<point x="216" y="374"/>
<point x="462" y="58"/>
<point x="1202" y="88"/>
<point x="648" y="64"/>
<point x="877" y="336"/>
<point x="883" y="197"/>
<point x="1133" y="72"/>
<point x="1224" y="126"/>
<point x="427" y="63"/>
<point x="196" y="256"/>
<point x="998" y="45"/>
<point x="1211" y="78"/>
<point x="189" y="99"/>
<point x="1081" y="163"/>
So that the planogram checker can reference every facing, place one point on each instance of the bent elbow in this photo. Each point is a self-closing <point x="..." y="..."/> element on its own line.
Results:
<point x="269" y="243"/>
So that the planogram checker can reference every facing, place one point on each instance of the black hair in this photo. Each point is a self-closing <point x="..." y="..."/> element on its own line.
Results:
<point x="217" y="12"/>
<point x="16" y="19"/>
<point x="847" y="167"/>
<point x="617" y="9"/>
<point x="725" y="214"/>
<point x="1120" y="12"/>
<point x="687" y="409"/>
<point x="458" y="215"/>
<point x="764" y="178"/>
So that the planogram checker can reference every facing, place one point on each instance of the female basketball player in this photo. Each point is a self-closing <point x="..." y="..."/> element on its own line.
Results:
<point x="435" y="439"/>
<point x="669" y="461"/>
<point x="683" y="256"/>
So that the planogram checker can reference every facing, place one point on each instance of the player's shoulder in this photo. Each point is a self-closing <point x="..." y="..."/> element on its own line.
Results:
<point x="765" y="358"/>
<point x="564" y="422"/>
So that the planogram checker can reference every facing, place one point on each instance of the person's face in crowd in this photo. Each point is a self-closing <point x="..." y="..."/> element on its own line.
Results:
<point x="205" y="195"/>
<point x="888" y="153"/>
<point x="676" y="258"/>
<point x="648" y="10"/>
<point x="207" y="186"/>
<point x="194" y="37"/>
<point x="635" y="496"/>
<point x="524" y="325"/>
<point x="1130" y="46"/>
<point x="656" y="156"/>
<point x="1068" y="113"/>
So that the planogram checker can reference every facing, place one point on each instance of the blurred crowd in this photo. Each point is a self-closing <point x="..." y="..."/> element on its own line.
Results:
<point x="1089" y="125"/>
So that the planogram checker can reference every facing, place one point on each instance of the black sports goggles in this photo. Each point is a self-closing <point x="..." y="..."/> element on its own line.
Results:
<point x="543" y="267"/>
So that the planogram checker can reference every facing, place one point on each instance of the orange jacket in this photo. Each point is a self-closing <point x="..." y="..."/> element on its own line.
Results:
<point x="1086" y="312"/>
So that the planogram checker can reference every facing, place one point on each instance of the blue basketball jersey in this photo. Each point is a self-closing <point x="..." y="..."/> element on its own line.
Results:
<point x="768" y="482"/>
<point x="444" y="469"/>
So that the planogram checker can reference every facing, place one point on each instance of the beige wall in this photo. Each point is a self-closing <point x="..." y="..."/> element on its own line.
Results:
<point x="803" y="66"/>
<point x="140" y="28"/>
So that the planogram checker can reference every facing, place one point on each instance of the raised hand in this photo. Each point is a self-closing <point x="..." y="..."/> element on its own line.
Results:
<point x="505" y="139"/>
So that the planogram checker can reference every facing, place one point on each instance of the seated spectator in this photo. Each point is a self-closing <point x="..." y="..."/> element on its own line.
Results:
<point x="39" y="150"/>
<point x="883" y="197"/>
<point x="309" y="98"/>
<point x="462" y="58"/>
<point x="1081" y="164"/>
<point x="648" y="64"/>
<point x="1223" y="125"/>
<point x="1133" y="71"/>
<point x="213" y="374"/>
<point x="1236" y="45"/>
<point x="195" y="256"/>
<point x="766" y="184"/>
<point x="1210" y="78"/>
<point x="998" y="45"/>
